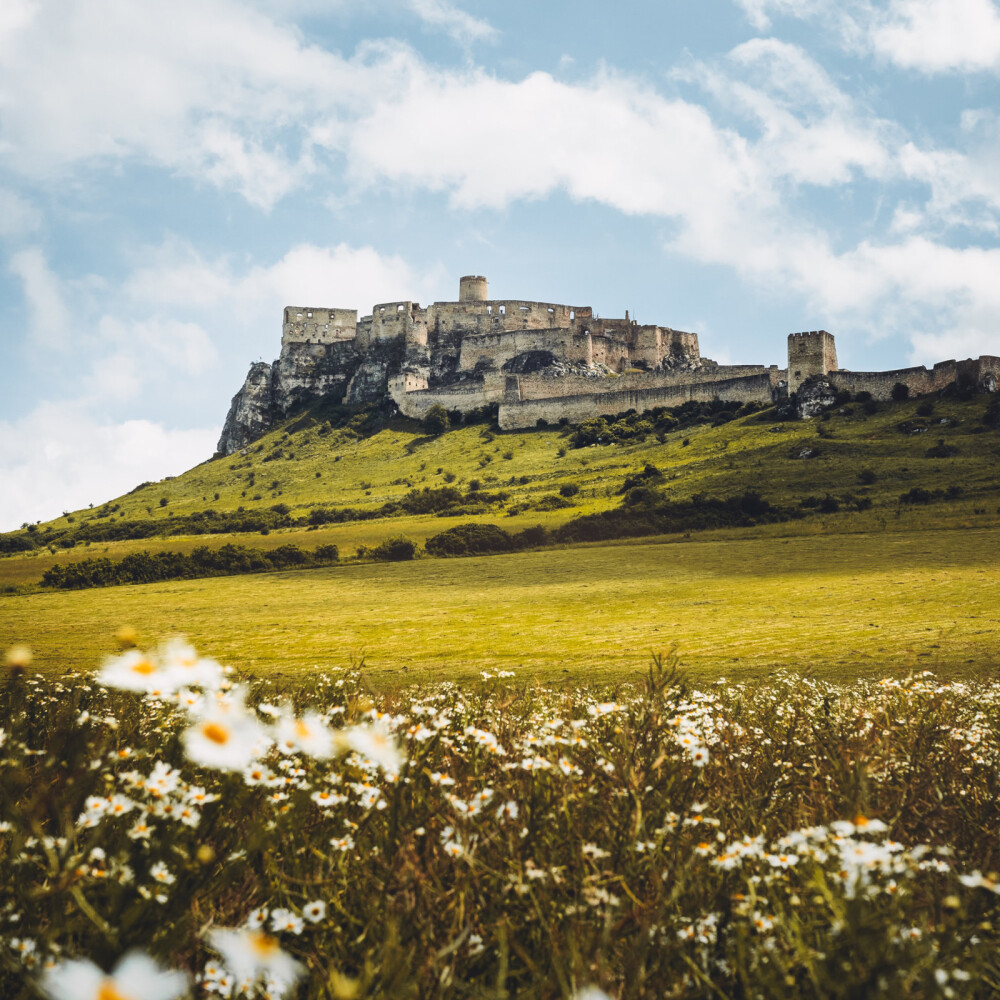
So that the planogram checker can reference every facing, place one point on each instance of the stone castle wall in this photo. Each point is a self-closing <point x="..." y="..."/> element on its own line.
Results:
<point x="542" y="387"/>
<point x="975" y="372"/>
<point x="519" y="413"/>
<point x="308" y="325"/>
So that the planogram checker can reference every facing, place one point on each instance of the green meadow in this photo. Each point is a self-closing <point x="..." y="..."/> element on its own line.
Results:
<point x="837" y="607"/>
<point x="856" y="592"/>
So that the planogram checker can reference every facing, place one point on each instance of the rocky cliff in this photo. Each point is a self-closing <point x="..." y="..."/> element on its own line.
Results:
<point x="304" y="373"/>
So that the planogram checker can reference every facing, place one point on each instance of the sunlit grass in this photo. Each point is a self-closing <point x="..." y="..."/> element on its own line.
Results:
<point x="840" y="607"/>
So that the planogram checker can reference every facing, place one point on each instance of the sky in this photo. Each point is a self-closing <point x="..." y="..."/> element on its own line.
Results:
<point x="174" y="172"/>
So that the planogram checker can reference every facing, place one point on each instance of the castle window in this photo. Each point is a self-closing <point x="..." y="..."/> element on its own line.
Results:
<point x="503" y="310"/>
<point x="400" y="308"/>
<point x="489" y="310"/>
<point x="572" y="314"/>
<point x="381" y="311"/>
<point x="298" y="315"/>
<point x="309" y="315"/>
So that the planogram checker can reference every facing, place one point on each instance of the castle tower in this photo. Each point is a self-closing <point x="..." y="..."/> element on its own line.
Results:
<point x="472" y="288"/>
<point x="812" y="353"/>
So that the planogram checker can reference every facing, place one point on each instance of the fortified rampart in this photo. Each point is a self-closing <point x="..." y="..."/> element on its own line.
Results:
<point x="517" y="412"/>
<point x="980" y="373"/>
<point x="537" y="360"/>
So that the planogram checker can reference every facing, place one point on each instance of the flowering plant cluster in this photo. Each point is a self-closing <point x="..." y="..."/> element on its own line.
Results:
<point x="170" y="830"/>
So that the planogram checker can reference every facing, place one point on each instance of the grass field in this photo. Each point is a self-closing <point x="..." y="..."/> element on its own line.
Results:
<point x="841" y="606"/>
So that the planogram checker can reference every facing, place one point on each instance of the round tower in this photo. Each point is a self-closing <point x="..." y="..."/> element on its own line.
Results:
<point x="472" y="288"/>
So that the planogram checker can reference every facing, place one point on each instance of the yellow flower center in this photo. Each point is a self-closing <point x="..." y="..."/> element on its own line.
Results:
<point x="107" y="991"/>
<point x="263" y="945"/>
<point x="216" y="733"/>
<point x="145" y="668"/>
<point x="302" y="730"/>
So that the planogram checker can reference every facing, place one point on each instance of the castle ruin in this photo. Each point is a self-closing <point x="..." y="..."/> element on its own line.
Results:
<point x="537" y="361"/>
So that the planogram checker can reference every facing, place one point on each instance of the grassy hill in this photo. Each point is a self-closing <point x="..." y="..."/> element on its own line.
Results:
<point x="850" y="579"/>
<point x="305" y="467"/>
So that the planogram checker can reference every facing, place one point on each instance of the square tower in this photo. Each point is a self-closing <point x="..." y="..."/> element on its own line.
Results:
<point x="812" y="353"/>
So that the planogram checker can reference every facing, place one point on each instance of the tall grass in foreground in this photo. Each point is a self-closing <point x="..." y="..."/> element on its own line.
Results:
<point x="782" y="839"/>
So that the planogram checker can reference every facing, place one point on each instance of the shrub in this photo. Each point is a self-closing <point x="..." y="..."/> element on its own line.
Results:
<point x="900" y="391"/>
<point x="867" y="477"/>
<point x="470" y="539"/>
<point x="649" y="476"/>
<point x="569" y="490"/>
<point x="436" y="420"/>
<point x="941" y="450"/>
<point x="551" y="502"/>
<point x="397" y="549"/>
<point x="925" y="409"/>
<point x="531" y="538"/>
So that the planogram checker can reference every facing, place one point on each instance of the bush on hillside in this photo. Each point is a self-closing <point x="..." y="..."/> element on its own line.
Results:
<point x="397" y="549"/>
<point x="649" y="476"/>
<point x="470" y="539"/>
<point x="146" y="567"/>
<point x="436" y="420"/>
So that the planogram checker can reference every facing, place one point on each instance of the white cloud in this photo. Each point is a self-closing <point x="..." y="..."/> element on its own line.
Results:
<point x="463" y="27"/>
<point x="461" y="132"/>
<point x="936" y="36"/>
<point x="50" y="317"/>
<point x="177" y="277"/>
<point x="931" y="36"/>
<point x="205" y="87"/>
<point x="812" y="132"/>
<point x="60" y="457"/>
<point x="759" y="12"/>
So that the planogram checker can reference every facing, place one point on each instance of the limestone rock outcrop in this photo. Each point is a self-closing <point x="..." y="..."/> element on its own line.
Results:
<point x="251" y="412"/>
<point x="814" y="396"/>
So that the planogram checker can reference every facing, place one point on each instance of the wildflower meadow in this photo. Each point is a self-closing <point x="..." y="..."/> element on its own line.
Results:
<point x="169" y="829"/>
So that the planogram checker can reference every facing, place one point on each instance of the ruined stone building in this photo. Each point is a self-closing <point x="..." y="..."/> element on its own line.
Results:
<point x="535" y="360"/>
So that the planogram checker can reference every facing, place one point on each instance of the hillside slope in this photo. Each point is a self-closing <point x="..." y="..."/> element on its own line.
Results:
<point x="367" y="478"/>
